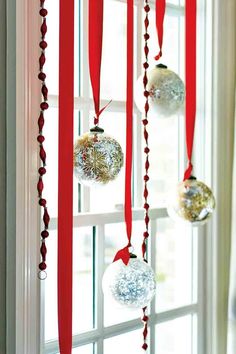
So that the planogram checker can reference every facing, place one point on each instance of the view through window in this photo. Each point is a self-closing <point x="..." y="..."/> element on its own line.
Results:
<point x="99" y="229"/>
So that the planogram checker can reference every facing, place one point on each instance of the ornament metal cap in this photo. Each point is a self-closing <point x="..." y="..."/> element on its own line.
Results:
<point x="132" y="255"/>
<point x="96" y="129"/>
<point x="193" y="178"/>
<point x="161" y="66"/>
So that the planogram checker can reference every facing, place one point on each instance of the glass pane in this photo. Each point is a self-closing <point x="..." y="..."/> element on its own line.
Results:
<point x="115" y="239"/>
<point x="82" y="280"/>
<point x="113" y="74"/>
<point x="52" y="51"/>
<point x="85" y="349"/>
<point x="50" y="132"/>
<point x="164" y="161"/>
<point x="170" y="42"/>
<point x="174" y="2"/>
<point x="100" y="196"/>
<point x="175" y="336"/>
<point x="50" y="289"/>
<point x="130" y="342"/>
<point x="175" y="264"/>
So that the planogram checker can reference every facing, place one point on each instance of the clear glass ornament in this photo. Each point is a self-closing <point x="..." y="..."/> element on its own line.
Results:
<point x="132" y="285"/>
<point x="98" y="158"/>
<point x="166" y="93"/>
<point x="193" y="202"/>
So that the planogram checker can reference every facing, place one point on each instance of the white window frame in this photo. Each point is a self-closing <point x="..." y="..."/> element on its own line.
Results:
<point x="213" y="285"/>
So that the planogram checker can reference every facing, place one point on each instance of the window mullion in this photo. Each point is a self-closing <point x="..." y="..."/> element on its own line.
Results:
<point x="99" y="310"/>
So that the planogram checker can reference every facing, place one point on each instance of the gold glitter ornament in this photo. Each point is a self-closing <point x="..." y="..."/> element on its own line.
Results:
<point x="166" y="93"/>
<point x="98" y="158"/>
<point x="194" y="202"/>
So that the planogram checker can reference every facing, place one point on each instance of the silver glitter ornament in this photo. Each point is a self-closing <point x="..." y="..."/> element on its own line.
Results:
<point x="131" y="285"/>
<point x="98" y="158"/>
<point x="166" y="92"/>
<point x="194" y="202"/>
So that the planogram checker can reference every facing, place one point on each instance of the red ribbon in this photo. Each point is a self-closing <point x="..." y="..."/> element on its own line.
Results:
<point x="124" y="253"/>
<point x="160" y="14"/>
<point x="190" y="77"/>
<point x="95" y="52"/>
<point x="65" y="175"/>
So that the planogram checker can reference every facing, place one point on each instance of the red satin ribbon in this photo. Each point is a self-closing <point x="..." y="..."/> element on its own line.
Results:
<point x="190" y="77"/>
<point x="160" y="14"/>
<point x="65" y="175"/>
<point x="124" y="253"/>
<point x="95" y="51"/>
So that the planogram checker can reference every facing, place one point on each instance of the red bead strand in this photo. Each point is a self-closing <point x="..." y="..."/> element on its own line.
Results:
<point x="146" y="165"/>
<point x="42" y="153"/>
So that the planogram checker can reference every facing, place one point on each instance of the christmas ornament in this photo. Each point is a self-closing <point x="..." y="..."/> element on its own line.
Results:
<point x="165" y="91"/>
<point x="193" y="203"/>
<point x="98" y="158"/>
<point x="132" y="285"/>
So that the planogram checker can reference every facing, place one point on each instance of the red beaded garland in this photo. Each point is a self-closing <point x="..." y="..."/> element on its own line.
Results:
<point x="146" y="165"/>
<point x="40" y="138"/>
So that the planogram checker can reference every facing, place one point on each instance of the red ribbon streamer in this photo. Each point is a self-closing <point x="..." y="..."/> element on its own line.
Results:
<point x="160" y="15"/>
<point x="190" y="77"/>
<point x="65" y="175"/>
<point x="95" y="51"/>
<point x="124" y="253"/>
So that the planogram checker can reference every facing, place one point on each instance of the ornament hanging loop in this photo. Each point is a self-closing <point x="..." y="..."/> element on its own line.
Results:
<point x="96" y="118"/>
<point x="188" y="172"/>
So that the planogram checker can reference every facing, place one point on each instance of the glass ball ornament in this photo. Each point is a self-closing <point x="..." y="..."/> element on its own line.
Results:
<point x="98" y="158"/>
<point x="132" y="285"/>
<point x="166" y="92"/>
<point x="193" y="202"/>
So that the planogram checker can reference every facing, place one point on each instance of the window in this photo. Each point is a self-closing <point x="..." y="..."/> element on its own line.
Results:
<point x="99" y="229"/>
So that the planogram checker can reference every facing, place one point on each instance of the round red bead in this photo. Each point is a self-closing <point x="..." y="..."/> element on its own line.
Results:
<point x="146" y="150"/>
<point x="146" y="36"/>
<point x="44" y="234"/>
<point x="146" y="93"/>
<point x="42" y="202"/>
<point x="44" y="105"/>
<point x="146" y="178"/>
<point x="145" y="234"/>
<point x="40" y="139"/>
<point x="147" y="8"/>
<point x="43" y="12"/>
<point x="145" y="121"/>
<point x="43" y="45"/>
<point x="42" y="76"/>
<point x="145" y="65"/>
<point x="42" y="266"/>
<point x="146" y="206"/>
<point x="42" y="171"/>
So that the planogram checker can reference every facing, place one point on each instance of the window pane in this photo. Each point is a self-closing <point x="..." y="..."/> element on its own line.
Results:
<point x="51" y="147"/>
<point x="50" y="289"/>
<point x="115" y="239"/>
<point x="164" y="161"/>
<point x="175" y="336"/>
<point x="85" y="349"/>
<point x="170" y="48"/>
<point x="113" y="74"/>
<point x="83" y="279"/>
<point x="82" y="283"/>
<point x="175" y="264"/>
<point x="52" y="51"/>
<point x="130" y="342"/>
